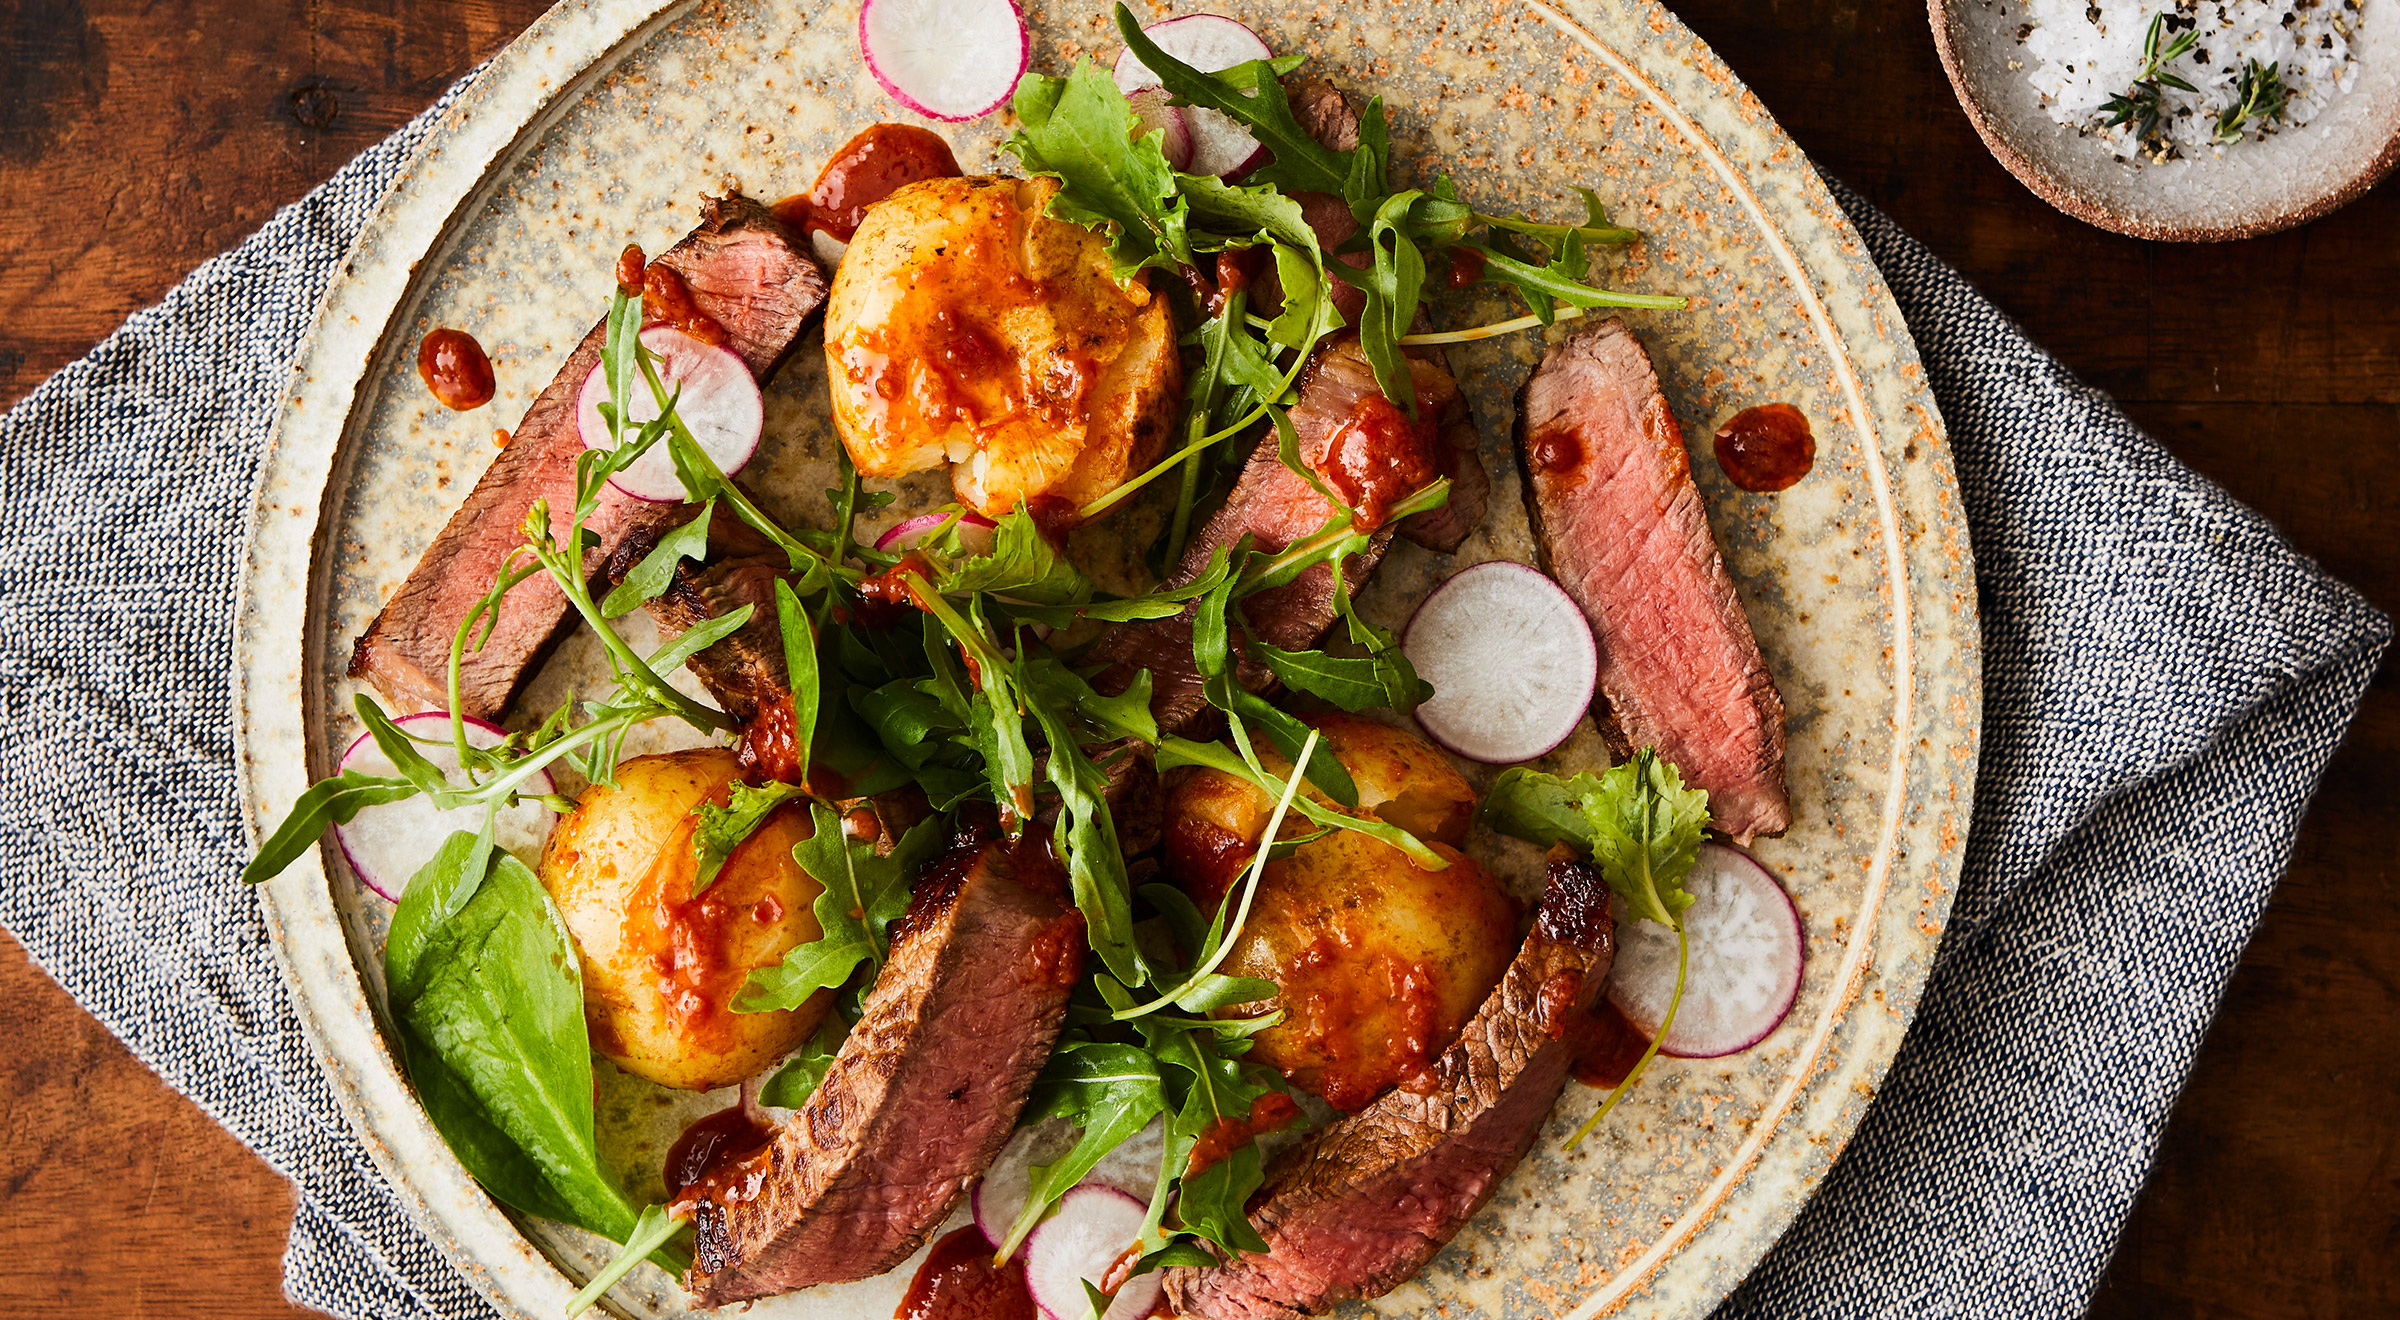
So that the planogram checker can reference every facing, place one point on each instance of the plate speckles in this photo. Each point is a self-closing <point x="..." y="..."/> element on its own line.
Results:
<point x="606" y="120"/>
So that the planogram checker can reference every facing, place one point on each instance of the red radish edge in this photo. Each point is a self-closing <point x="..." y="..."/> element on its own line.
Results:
<point x="1158" y="114"/>
<point x="351" y="847"/>
<point x="1209" y="43"/>
<point x="903" y="534"/>
<point x="1085" y="1240"/>
<point x="959" y="32"/>
<point x="1511" y="660"/>
<point x="1746" y="963"/>
<point x="719" y="403"/>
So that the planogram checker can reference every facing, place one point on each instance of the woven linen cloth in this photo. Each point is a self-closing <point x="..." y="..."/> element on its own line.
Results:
<point x="2164" y="681"/>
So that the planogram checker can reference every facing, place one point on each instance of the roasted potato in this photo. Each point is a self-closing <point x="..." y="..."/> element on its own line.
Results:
<point x="966" y="327"/>
<point x="1377" y="963"/>
<point x="660" y="966"/>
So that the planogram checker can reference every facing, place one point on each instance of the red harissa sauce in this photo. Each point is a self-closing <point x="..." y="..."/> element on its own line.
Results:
<point x="870" y="167"/>
<point x="1766" y="448"/>
<point x="958" y="1281"/>
<point x="712" y="1144"/>
<point x="1606" y="1045"/>
<point x="455" y="368"/>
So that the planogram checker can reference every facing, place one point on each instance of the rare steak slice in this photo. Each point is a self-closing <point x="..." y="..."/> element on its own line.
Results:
<point x="1365" y="450"/>
<point x="742" y="271"/>
<point x="1361" y="1206"/>
<point x="923" y="1093"/>
<point x="1619" y="524"/>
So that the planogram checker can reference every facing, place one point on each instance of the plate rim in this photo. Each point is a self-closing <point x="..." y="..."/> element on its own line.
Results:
<point x="283" y="586"/>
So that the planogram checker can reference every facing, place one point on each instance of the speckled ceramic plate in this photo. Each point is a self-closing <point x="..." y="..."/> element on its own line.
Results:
<point x="2250" y="188"/>
<point x="609" y="117"/>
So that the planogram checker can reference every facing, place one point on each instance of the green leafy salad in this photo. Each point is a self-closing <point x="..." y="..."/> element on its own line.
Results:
<point x="964" y="703"/>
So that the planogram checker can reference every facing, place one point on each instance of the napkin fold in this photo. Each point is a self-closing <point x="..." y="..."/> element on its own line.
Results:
<point x="2164" y="680"/>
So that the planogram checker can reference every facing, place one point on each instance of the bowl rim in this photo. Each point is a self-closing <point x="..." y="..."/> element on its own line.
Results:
<point x="2065" y="197"/>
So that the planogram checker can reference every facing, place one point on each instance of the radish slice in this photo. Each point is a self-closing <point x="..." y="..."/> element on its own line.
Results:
<point x="1132" y="1168"/>
<point x="1159" y="114"/>
<point x="386" y="844"/>
<point x="1511" y="660"/>
<point x="1747" y="955"/>
<point x="1209" y="43"/>
<point x="718" y="401"/>
<point x="974" y="531"/>
<point x="952" y="60"/>
<point x="1086" y="1240"/>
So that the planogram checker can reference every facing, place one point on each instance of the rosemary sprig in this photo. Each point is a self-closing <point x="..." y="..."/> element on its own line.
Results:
<point x="2262" y="98"/>
<point x="2144" y="103"/>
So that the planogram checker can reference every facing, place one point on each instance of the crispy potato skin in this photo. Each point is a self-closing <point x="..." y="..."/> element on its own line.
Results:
<point x="1378" y="964"/>
<point x="967" y="327"/>
<point x="661" y="967"/>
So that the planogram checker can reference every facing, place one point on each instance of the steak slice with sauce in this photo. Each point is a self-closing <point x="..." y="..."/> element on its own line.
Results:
<point x="1619" y="524"/>
<point x="1365" y="450"/>
<point x="744" y="271"/>
<point x="923" y="1093"/>
<point x="1361" y="1206"/>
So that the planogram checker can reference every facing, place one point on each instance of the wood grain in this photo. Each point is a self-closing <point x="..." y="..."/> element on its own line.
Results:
<point x="137" y="140"/>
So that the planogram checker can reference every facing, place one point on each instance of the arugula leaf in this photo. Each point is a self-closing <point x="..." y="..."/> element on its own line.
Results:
<point x="326" y="803"/>
<point x="1394" y="285"/>
<point x="1541" y="808"/>
<point x="495" y="995"/>
<point x="1022" y="563"/>
<point x="1638" y="823"/>
<point x="1300" y="163"/>
<point x="797" y="1080"/>
<point x="650" y="1232"/>
<point x="1095" y="861"/>
<point x="699" y="638"/>
<point x="722" y="829"/>
<point x="649" y="578"/>
<point x="1079" y="130"/>
<point x="1111" y="1091"/>
<point x="800" y="670"/>
<point x="863" y="895"/>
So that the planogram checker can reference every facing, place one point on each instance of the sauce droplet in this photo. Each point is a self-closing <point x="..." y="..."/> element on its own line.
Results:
<point x="880" y="161"/>
<point x="1606" y="1045"/>
<point x="455" y="368"/>
<point x="1766" y="448"/>
<point x="958" y="1281"/>
<point x="710" y="1145"/>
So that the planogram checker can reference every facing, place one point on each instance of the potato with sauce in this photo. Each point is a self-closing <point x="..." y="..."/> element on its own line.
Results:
<point x="1378" y="963"/>
<point x="661" y="966"/>
<point x="966" y="327"/>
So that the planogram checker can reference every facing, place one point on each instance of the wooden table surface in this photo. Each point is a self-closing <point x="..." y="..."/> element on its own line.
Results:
<point x="140" y="137"/>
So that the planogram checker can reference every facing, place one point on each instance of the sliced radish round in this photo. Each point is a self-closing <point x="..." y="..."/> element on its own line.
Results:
<point x="1086" y="1240"/>
<point x="1210" y="43"/>
<point x="952" y="60"/>
<point x="974" y="531"/>
<point x="387" y="843"/>
<point x="714" y="394"/>
<point x="1747" y="952"/>
<point x="1131" y="1168"/>
<point x="1159" y="114"/>
<point x="1510" y="658"/>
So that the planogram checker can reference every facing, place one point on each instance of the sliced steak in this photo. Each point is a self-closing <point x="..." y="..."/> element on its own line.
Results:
<point x="1619" y="524"/>
<point x="1360" y="1207"/>
<point x="923" y="1093"/>
<point x="1365" y="450"/>
<point x="743" y="271"/>
<point x="744" y="670"/>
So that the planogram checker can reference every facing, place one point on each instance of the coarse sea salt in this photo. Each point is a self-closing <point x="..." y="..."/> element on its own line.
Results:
<point x="2086" y="51"/>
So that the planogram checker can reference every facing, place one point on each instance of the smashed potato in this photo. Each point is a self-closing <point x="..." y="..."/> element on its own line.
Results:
<point x="660" y="966"/>
<point x="1377" y="963"/>
<point x="966" y="327"/>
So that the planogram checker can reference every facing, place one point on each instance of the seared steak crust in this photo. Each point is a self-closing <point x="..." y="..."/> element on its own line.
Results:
<point x="1619" y="524"/>
<point x="744" y="270"/>
<point x="924" y="1091"/>
<point x="1360" y="1207"/>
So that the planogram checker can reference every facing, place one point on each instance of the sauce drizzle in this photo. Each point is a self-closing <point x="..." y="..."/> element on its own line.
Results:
<point x="1767" y="448"/>
<point x="958" y="1281"/>
<point x="880" y="161"/>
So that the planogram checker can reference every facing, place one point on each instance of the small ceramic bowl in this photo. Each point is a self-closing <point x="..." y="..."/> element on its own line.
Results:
<point x="2255" y="187"/>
